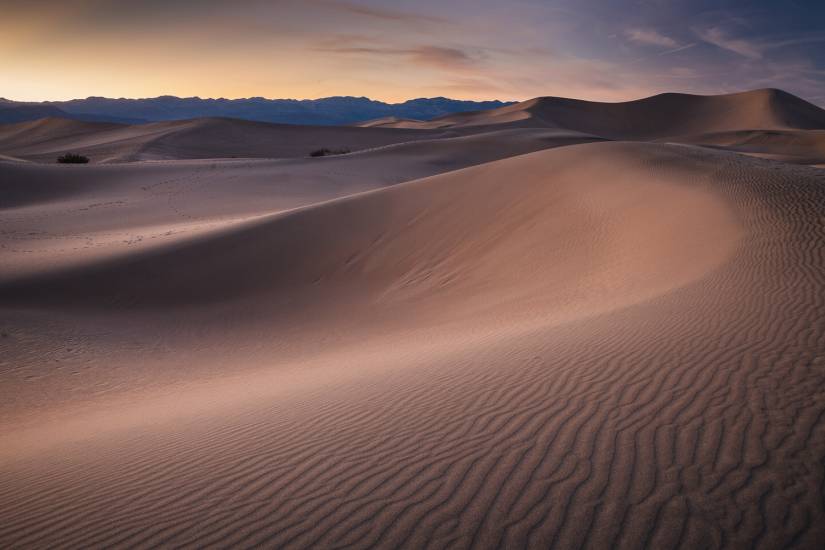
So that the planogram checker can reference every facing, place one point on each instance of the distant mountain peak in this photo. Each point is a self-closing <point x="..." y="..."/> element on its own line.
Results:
<point x="333" y="110"/>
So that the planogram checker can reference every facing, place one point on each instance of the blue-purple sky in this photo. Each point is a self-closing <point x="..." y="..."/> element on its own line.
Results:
<point x="394" y="50"/>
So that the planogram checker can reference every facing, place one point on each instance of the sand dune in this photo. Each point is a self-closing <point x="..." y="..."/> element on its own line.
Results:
<point x="47" y="130"/>
<point x="92" y="212"/>
<point x="427" y="344"/>
<point x="658" y="116"/>
<point x="45" y="139"/>
<point x="794" y="146"/>
<point x="742" y="122"/>
<point x="342" y="230"/>
<point x="391" y="122"/>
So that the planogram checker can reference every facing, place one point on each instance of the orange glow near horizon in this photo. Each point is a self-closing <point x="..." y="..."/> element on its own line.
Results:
<point x="390" y="51"/>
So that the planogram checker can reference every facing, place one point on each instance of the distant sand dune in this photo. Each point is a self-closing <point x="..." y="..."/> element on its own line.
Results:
<point x="600" y="345"/>
<point x="767" y="122"/>
<point x="654" y="117"/>
<point x="44" y="140"/>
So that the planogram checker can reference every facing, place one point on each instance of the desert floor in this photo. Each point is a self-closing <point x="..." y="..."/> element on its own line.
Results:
<point x="504" y="338"/>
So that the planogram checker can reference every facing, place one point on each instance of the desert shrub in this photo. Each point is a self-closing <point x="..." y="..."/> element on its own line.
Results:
<point x="72" y="158"/>
<point x="326" y="152"/>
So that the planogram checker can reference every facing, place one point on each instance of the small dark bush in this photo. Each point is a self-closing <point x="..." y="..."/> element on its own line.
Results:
<point x="326" y="152"/>
<point x="72" y="158"/>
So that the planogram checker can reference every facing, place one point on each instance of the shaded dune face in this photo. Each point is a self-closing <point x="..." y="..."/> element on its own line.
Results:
<point x="61" y="216"/>
<point x="604" y="345"/>
<point x="792" y="146"/>
<point x="528" y="229"/>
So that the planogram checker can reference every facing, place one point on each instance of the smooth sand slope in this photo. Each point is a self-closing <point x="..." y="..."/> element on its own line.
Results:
<point x="61" y="215"/>
<point x="46" y="139"/>
<point x="794" y="146"/>
<point x="602" y="345"/>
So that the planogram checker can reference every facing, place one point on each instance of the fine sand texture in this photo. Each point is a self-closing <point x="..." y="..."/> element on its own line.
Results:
<point x="794" y="146"/>
<point x="510" y="338"/>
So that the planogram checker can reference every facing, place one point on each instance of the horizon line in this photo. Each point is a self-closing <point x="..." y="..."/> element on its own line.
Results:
<point x="510" y="101"/>
<point x="3" y="98"/>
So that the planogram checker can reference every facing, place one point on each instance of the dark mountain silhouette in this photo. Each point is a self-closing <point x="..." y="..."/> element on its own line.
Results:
<point x="23" y="113"/>
<point x="325" y="111"/>
<point x="12" y="112"/>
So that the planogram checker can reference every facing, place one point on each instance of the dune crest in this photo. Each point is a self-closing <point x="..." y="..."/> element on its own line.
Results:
<point x="659" y="116"/>
<point x="200" y="138"/>
<point x="460" y="237"/>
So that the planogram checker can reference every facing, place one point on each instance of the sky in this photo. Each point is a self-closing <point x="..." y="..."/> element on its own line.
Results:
<point x="605" y="50"/>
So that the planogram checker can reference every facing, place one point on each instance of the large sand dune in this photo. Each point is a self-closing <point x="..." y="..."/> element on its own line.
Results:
<point x="654" y="117"/>
<point x="68" y="214"/>
<point x="518" y="337"/>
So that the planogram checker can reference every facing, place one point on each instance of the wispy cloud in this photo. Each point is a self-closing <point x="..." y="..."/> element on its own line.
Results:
<point x="796" y="41"/>
<point x="720" y="39"/>
<point x="650" y="37"/>
<point x="470" y="84"/>
<point x="384" y="14"/>
<point x="679" y="49"/>
<point x="443" y="58"/>
<point x="446" y="58"/>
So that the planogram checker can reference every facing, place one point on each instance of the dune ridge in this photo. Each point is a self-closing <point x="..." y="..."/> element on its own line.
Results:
<point x="659" y="116"/>
<point x="301" y="248"/>
<point x="794" y="146"/>
<point x="106" y="210"/>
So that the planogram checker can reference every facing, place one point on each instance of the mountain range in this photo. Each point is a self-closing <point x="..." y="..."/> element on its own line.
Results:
<point x="325" y="111"/>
